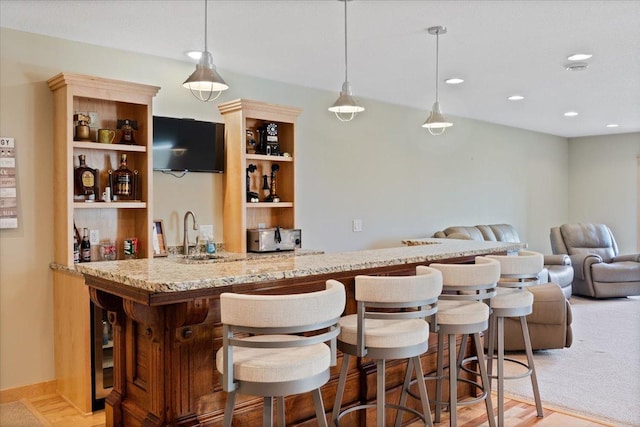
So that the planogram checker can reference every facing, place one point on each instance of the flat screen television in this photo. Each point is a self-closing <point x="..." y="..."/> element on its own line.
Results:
<point x="187" y="145"/>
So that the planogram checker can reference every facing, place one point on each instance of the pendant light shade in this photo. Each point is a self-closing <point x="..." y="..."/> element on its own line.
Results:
<point x="437" y="123"/>
<point x="346" y="107"/>
<point x="205" y="83"/>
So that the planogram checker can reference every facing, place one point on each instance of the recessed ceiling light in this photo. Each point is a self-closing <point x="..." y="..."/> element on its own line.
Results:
<point x="194" y="54"/>
<point x="576" y="66"/>
<point x="515" y="98"/>
<point x="571" y="113"/>
<point x="454" y="81"/>
<point x="579" y="56"/>
<point x="613" y="125"/>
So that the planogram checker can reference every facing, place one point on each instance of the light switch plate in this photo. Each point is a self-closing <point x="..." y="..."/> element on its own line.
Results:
<point x="94" y="237"/>
<point x="357" y="225"/>
<point x="206" y="230"/>
<point x="93" y="116"/>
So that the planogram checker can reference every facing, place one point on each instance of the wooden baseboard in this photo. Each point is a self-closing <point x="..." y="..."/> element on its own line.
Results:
<point x="27" y="391"/>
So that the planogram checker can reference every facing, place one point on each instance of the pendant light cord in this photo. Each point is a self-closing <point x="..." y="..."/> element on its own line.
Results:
<point x="437" y="57"/>
<point x="205" y="25"/>
<point x="346" y="67"/>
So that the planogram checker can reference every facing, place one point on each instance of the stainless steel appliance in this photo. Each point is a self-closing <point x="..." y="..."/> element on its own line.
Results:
<point x="273" y="239"/>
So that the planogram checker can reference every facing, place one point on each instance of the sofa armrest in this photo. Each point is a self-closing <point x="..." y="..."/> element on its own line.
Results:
<point x="582" y="264"/>
<point x="626" y="257"/>
<point x="561" y="259"/>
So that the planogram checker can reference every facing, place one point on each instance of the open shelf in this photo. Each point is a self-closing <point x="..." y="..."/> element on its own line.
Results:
<point x="111" y="205"/>
<point x="264" y="157"/>
<point x="267" y="205"/>
<point x="111" y="147"/>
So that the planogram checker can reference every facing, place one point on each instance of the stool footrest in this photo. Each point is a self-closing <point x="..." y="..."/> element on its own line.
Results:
<point x="373" y="406"/>
<point x="527" y="373"/>
<point x="446" y="402"/>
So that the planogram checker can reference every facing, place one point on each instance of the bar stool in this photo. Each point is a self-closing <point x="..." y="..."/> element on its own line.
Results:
<point x="512" y="300"/>
<point x="461" y="311"/>
<point x="273" y="360"/>
<point x="383" y="334"/>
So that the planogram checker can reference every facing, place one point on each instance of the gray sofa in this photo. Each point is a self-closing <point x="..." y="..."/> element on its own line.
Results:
<point x="599" y="270"/>
<point x="550" y="321"/>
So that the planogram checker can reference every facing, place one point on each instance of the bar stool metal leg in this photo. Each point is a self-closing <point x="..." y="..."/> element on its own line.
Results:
<point x="439" y="378"/>
<point x="380" y="396"/>
<point x="534" y="378"/>
<point x="414" y="362"/>
<point x="496" y="332"/>
<point x="340" y="391"/>
<point x="281" y="415"/>
<point x="228" y="408"/>
<point x="267" y="413"/>
<point x="500" y="332"/>
<point x="453" y="382"/>
<point x="485" y="380"/>
<point x="317" y="401"/>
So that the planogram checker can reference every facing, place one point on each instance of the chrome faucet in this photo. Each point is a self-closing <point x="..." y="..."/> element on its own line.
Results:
<point x="185" y="240"/>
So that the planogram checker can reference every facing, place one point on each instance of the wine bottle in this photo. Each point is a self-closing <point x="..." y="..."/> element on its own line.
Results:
<point x="76" y="249"/>
<point x="85" y="246"/>
<point x="76" y="244"/>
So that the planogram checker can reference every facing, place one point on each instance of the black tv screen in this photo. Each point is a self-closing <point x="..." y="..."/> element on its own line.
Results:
<point x="187" y="145"/>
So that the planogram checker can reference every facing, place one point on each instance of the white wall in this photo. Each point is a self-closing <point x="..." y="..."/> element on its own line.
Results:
<point x="383" y="168"/>
<point x="603" y="184"/>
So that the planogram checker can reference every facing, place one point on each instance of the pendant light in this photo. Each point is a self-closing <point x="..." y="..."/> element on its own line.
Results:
<point x="346" y="107"/>
<point x="436" y="122"/>
<point x="205" y="83"/>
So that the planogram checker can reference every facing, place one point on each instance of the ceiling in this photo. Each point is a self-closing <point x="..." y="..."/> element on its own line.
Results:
<point x="500" y="48"/>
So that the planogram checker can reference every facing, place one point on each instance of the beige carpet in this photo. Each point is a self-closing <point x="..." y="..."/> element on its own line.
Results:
<point x="21" y="414"/>
<point x="599" y="375"/>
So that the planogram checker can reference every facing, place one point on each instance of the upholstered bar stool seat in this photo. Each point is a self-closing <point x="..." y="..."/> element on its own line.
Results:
<point x="462" y="313"/>
<point x="263" y="353"/>
<point x="271" y="365"/>
<point x="389" y="325"/>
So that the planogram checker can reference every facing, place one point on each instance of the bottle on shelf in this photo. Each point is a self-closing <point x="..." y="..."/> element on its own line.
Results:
<point x="273" y="195"/>
<point x="130" y="248"/>
<point x="86" y="180"/>
<point x="266" y="189"/>
<point x="127" y="127"/>
<point x="76" y="249"/>
<point x="124" y="181"/>
<point x="76" y="244"/>
<point x="85" y="246"/>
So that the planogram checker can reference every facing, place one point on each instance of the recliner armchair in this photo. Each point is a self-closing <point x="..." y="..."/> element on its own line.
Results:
<point x="599" y="270"/>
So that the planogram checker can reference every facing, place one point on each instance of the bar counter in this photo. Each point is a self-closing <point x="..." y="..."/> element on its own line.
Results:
<point x="166" y="326"/>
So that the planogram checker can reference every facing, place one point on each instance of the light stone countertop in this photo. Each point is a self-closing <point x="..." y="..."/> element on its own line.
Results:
<point x="169" y="274"/>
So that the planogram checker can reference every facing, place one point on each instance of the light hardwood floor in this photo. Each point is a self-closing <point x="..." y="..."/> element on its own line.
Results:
<point x="518" y="414"/>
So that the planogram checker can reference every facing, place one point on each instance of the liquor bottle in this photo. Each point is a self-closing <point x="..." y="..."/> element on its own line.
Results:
<point x="86" y="180"/>
<point x="76" y="249"/>
<point x="85" y="246"/>
<point x="127" y="127"/>
<point x="123" y="180"/>
<point x="76" y="244"/>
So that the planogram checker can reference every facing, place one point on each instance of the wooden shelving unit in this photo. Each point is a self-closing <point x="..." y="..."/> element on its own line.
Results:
<point x="109" y="100"/>
<point x="239" y="215"/>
